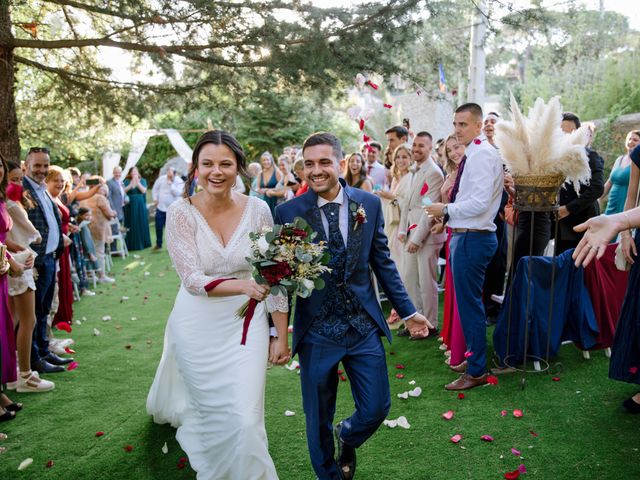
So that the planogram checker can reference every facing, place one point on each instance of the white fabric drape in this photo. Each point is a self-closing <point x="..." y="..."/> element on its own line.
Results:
<point x="179" y="144"/>
<point x="139" y="141"/>
<point x="110" y="160"/>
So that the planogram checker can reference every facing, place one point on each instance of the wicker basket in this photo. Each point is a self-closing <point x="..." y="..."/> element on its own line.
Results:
<point x="537" y="191"/>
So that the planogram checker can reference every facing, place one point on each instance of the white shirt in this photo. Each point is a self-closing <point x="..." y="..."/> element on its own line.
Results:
<point x="480" y="190"/>
<point x="165" y="192"/>
<point x="378" y="173"/>
<point x="343" y="220"/>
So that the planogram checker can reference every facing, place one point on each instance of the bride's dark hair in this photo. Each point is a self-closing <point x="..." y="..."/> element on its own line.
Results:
<point x="217" y="137"/>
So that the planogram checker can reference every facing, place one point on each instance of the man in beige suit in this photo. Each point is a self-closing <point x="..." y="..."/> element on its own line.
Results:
<point x="422" y="247"/>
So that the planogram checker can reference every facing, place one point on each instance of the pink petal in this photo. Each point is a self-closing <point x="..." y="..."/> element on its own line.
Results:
<point x="386" y="105"/>
<point x="522" y="468"/>
<point x="72" y="366"/>
<point x="400" y="366"/>
<point x="517" y="413"/>
<point x="448" y="415"/>
<point x="400" y="375"/>
<point x="70" y="351"/>
<point x="290" y="329"/>
<point x="633" y="370"/>
<point x="516" y="452"/>
<point x="486" y="438"/>
<point x="366" y="138"/>
<point x="468" y="354"/>
<point x="503" y="413"/>
<point x="492" y="380"/>
<point x="456" y="438"/>
<point x="412" y="226"/>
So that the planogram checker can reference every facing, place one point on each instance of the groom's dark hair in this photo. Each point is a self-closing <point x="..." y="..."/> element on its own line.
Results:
<point x="324" y="138"/>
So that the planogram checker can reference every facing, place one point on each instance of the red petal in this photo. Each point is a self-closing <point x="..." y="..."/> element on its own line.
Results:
<point x="522" y="468"/>
<point x="556" y="379"/>
<point x="340" y="372"/>
<point x="448" y="415"/>
<point x="486" y="438"/>
<point x="512" y="475"/>
<point x="50" y="464"/>
<point x="517" y="413"/>
<point x="400" y="366"/>
<point x="366" y="138"/>
<point x="461" y="395"/>
<point x="456" y="438"/>
<point x="386" y="105"/>
<point x="181" y="465"/>
<point x="369" y="148"/>
<point x="128" y="448"/>
<point x="183" y="460"/>
<point x="412" y="226"/>
<point x="533" y="433"/>
<point x="477" y="141"/>
<point x="400" y="375"/>
<point x="72" y="366"/>
<point x="70" y="351"/>
<point x="343" y="378"/>
<point x="468" y="354"/>
<point x="372" y="85"/>
<point x="424" y="189"/>
<point x="503" y="413"/>
<point x="63" y="326"/>
<point x="633" y="370"/>
<point x="99" y="434"/>
<point x="492" y="380"/>
<point x="361" y="124"/>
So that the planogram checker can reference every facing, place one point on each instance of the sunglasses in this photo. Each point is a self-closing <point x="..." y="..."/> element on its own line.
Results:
<point x="39" y="150"/>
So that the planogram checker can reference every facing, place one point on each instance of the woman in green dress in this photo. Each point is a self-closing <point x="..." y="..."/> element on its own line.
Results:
<point x="136" y="215"/>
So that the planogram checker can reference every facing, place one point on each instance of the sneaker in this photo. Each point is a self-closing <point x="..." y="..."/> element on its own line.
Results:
<point x="11" y="385"/>
<point x="57" y="348"/>
<point x="87" y="293"/>
<point x="33" y="384"/>
<point x="106" y="279"/>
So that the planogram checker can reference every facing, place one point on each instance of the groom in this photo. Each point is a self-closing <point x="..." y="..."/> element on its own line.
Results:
<point x="343" y="322"/>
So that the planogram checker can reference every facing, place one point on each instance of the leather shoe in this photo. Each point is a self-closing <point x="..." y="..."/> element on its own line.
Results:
<point x="56" y="360"/>
<point x="346" y="458"/>
<point x="460" y="368"/>
<point x="42" y="366"/>
<point x="466" y="381"/>
<point x="631" y="406"/>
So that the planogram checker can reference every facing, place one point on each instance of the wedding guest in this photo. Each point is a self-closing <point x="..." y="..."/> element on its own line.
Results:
<point x="268" y="180"/>
<point x="117" y="195"/>
<point x="254" y="170"/>
<point x="298" y="170"/>
<point x="475" y="201"/>
<point x="615" y="188"/>
<point x="422" y="247"/>
<point x="489" y="127"/>
<point x="396" y="136"/>
<point x="57" y="181"/>
<point x="598" y="232"/>
<point x="83" y="260"/>
<point x="136" y="215"/>
<point x="578" y="207"/>
<point x="45" y="216"/>
<point x="438" y="154"/>
<point x="22" y="287"/>
<point x="100" y="228"/>
<point x="375" y="169"/>
<point x="356" y="173"/>
<point x="288" y="186"/>
<point x="167" y="189"/>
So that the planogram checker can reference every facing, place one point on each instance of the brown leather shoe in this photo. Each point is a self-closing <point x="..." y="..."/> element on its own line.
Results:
<point x="460" y="368"/>
<point x="466" y="381"/>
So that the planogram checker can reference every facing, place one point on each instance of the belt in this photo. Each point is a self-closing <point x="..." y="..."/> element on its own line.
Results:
<point x="469" y="230"/>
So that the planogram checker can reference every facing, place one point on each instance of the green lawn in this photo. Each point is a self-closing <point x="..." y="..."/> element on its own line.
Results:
<point x="581" y="429"/>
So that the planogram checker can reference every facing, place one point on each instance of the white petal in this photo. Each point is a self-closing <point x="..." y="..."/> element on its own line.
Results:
<point x="25" y="463"/>
<point x="402" y="422"/>
<point x="165" y="449"/>
<point x="96" y="332"/>
<point x="106" y="318"/>
<point x="78" y="322"/>
<point x="391" y="423"/>
<point x="292" y="366"/>
<point x="412" y="382"/>
<point x="403" y="395"/>
<point x="416" y="392"/>
<point x="289" y="413"/>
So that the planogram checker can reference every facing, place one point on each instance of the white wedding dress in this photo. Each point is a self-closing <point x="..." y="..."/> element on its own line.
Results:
<point x="208" y="385"/>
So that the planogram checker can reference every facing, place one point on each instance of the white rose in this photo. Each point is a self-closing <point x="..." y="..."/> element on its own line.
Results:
<point x="263" y="245"/>
<point x="308" y="284"/>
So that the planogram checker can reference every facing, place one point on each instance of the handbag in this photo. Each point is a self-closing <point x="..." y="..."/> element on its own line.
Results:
<point x="395" y="213"/>
<point x="621" y="263"/>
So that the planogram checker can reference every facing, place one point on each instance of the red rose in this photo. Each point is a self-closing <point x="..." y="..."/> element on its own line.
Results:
<point x="298" y="232"/>
<point x="274" y="274"/>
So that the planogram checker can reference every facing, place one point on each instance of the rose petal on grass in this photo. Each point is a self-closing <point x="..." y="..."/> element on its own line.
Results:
<point x="400" y="366"/>
<point x="70" y="351"/>
<point x="78" y="322"/>
<point x="516" y="452"/>
<point x="492" y="380"/>
<point x="390" y="423"/>
<point x="522" y="468"/>
<point x="416" y="392"/>
<point x="24" y="464"/>
<point x="128" y="448"/>
<point x="486" y="438"/>
<point x="555" y="379"/>
<point x="456" y="438"/>
<point x="99" y="434"/>
<point x="448" y="415"/>
<point x="400" y="375"/>
<point x="461" y="396"/>
<point x="533" y="433"/>
<point x="512" y="475"/>
<point x="165" y="448"/>
<point x="403" y="422"/>
<point x="503" y="413"/>
<point x="72" y="366"/>
<point x="50" y="464"/>
<point x="293" y="365"/>
<point x="403" y="395"/>
<point x="518" y="413"/>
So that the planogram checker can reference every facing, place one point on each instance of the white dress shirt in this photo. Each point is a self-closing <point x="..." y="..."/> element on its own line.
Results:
<point x="480" y="189"/>
<point x="343" y="220"/>
<point x="165" y="192"/>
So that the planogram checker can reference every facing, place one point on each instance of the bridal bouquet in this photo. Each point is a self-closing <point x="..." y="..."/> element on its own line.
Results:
<point x="286" y="259"/>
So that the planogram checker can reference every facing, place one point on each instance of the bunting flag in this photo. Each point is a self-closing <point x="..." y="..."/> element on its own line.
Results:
<point x="442" y="81"/>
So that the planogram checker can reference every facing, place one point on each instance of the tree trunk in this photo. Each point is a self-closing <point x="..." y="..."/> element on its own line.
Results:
<point x="9" y="139"/>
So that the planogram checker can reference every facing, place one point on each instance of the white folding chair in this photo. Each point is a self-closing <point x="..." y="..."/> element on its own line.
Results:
<point x="118" y="242"/>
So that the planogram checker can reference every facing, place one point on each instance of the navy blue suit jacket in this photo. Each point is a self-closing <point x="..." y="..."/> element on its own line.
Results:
<point x="366" y="246"/>
<point x="39" y="221"/>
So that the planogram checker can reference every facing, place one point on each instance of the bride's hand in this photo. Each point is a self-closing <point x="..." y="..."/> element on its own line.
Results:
<point x="279" y="353"/>
<point x="254" y="290"/>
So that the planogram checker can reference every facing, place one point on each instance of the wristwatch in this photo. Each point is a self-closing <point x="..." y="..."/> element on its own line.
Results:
<point x="445" y="210"/>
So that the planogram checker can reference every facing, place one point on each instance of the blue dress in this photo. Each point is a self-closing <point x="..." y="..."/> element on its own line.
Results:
<point x="272" y="183"/>
<point x="625" y="353"/>
<point x="619" y="179"/>
<point x="136" y="218"/>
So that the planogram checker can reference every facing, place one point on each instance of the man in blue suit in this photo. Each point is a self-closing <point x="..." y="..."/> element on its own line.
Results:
<point x="343" y="322"/>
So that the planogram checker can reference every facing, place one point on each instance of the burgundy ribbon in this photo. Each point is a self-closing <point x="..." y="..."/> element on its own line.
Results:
<point x="253" y="303"/>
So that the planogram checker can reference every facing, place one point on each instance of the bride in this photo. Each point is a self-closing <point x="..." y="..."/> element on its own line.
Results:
<point x="207" y="384"/>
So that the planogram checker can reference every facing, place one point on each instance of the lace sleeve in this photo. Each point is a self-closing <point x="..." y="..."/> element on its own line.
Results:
<point x="181" y="244"/>
<point x="275" y="303"/>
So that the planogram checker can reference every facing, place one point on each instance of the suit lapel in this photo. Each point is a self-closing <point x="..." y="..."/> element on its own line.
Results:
<point x="354" y="236"/>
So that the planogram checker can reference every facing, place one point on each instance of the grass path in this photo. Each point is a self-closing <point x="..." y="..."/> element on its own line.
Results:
<point x="582" y="433"/>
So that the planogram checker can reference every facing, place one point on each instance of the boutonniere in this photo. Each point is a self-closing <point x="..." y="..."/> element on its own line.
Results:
<point x="359" y="215"/>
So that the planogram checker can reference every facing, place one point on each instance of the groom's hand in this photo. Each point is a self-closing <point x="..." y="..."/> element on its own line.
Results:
<point x="418" y="326"/>
<point x="279" y="353"/>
